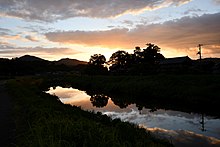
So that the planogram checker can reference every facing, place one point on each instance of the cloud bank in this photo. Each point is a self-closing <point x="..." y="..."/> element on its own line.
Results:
<point x="217" y="1"/>
<point x="182" y="34"/>
<point x="31" y="38"/>
<point x="8" y="51"/>
<point x="52" y="10"/>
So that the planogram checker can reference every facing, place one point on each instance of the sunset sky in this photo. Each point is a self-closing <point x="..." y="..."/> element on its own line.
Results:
<point x="55" y="29"/>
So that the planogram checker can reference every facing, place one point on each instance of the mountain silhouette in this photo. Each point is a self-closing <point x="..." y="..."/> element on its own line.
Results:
<point x="30" y="58"/>
<point x="69" y="62"/>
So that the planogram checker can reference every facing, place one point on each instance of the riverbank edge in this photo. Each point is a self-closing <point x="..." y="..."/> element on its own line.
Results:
<point x="42" y="120"/>
<point x="188" y="93"/>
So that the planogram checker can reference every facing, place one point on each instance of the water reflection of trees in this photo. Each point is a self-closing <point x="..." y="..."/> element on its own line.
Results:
<point x="122" y="103"/>
<point x="99" y="100"/>
<point x="146" y="99"/>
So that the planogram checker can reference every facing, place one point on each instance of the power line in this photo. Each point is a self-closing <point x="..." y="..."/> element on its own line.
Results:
<point x="206" y="44"/>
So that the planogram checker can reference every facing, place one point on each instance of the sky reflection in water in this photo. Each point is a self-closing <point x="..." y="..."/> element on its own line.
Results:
<point x="182" y="128"/>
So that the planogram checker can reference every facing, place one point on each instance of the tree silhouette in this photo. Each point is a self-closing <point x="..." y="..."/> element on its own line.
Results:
<point x="119" y="58"/>
<point x="152" y="53"/>
<point x="138" y="55"/>
<point x="120" y="61"/>
<point x="96" y="65"/>
<point x="97" y="60"/>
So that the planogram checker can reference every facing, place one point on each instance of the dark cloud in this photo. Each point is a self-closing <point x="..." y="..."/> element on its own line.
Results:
<point x="51" y="10"/>
<point x="128" y="23"/>
<point x="112" y="38"/>
<point x="58" y="51"/>
<point x="111" y="26"/>
<point x="4" y="32"/>
<point x="6" y="50"/>
<point x="192" y="11"/>
<point x="216" y="1"/>
<point x="181" y="34"/>
<point x="31" y="38"/>
<point x="5" y="45"/>
<point x="6" y="3"/>
<point x="37" y="28"/>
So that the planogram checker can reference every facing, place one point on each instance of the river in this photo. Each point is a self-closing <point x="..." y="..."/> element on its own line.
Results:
<point x="181" y="128"/>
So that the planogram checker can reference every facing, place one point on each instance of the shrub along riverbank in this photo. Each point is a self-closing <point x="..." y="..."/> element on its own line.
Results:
<point x="42" y="120"/>
<point x="190" y="93"/>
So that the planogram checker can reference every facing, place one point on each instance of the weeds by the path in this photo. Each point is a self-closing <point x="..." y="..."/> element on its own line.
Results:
<point x="43" y="121"/>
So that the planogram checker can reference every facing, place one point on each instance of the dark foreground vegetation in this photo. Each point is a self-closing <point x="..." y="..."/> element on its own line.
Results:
<point x="42" y="120"/>
<point x="189" y="93"/>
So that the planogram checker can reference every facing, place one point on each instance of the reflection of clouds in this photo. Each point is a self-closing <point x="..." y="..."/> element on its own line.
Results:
<point x="169" y="122"/>
<point x="173" y="122"/>
<point x="182" y="138"/>
<point x="69" y="95"/>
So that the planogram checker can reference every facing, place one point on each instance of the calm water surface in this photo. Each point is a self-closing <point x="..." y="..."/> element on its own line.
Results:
<point x="182" y="128"/>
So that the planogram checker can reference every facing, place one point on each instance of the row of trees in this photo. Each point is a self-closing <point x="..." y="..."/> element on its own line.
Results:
<point x="122" y="62"/>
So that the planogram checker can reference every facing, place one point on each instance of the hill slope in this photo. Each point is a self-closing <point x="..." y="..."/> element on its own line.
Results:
<point x="69" y="62"/>
<point x="30" y="58"/>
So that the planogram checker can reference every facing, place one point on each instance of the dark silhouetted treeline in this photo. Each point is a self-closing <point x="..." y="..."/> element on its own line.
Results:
<point x="149" y="61"/>
<point x="121" y="62"/>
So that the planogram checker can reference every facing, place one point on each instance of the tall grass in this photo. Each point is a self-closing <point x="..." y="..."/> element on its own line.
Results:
<point x="43" y="121"/>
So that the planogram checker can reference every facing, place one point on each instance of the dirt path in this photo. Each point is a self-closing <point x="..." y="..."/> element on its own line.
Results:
<point x="7" y="126"/>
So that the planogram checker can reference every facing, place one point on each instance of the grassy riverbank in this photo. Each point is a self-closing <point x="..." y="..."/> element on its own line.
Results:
<point x="42" y="120"/>
<point x="191" y="93"/>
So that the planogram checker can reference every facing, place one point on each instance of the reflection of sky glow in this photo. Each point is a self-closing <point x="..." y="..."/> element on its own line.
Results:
<point x="182" y="138"/>
<point x="169" y="122"/>
<point x="165" y="122"/>
<point x="69" y="95"/>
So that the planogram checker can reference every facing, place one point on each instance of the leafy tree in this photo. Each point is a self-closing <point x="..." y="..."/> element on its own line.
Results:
<point x="141" y="61"/>
<point x="97" y="59"/>
<point x="152" y="53"/>
<point x="138" y="55"/>
<point x="119" y="61"/>
<point x="96" y="65"/>
<point x="119" y="58"/>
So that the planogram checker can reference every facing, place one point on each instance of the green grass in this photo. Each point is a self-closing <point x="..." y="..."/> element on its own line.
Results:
<point x="191" y="93"/>
<point x="43" y="121"/>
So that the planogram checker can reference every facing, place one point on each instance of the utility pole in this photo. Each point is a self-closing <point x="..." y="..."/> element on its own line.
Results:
<point x="200" y="51"/>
